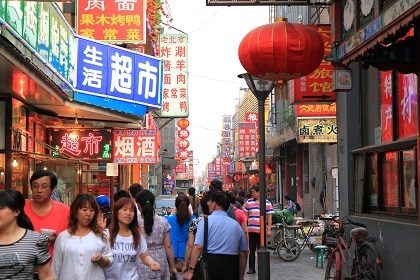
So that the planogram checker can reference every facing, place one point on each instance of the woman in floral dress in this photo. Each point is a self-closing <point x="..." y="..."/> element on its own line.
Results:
<point x="156" y="231"/>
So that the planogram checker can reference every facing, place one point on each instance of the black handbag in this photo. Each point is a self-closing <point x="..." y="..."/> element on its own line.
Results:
<point x="201" y="271"/>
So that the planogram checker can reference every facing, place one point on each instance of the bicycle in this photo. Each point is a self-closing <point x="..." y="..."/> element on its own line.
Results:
<point x="285" y="244"/>
<point x="304" y="231"/>
<point x="359" y="256"/>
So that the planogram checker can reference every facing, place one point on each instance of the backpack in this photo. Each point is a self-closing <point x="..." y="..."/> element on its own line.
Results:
<point x="298" y="208"/>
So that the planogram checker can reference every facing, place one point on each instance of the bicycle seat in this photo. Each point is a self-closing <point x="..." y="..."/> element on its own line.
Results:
<point x="358" y="233"/>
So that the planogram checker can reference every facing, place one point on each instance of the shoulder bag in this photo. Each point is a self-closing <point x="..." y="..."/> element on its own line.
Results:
<point x="201" y="271"/>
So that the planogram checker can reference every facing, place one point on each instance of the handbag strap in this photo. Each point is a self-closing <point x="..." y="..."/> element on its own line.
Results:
<point x="206" y="237"/>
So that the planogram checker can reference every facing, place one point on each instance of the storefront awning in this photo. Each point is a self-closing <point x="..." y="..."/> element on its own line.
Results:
<point x="375" y="32"/>
<point x="278" y="139"/>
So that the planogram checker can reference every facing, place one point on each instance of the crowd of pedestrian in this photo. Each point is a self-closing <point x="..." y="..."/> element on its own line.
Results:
<point x="42" y="238"/>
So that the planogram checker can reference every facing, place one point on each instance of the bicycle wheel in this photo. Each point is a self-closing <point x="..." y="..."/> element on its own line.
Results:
<point x="368" y="267"/>
<point x="288" y="249"/>
<point x="333" y="270"/>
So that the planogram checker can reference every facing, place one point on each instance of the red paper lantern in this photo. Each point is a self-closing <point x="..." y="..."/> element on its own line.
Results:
<point x="281" y="51"/>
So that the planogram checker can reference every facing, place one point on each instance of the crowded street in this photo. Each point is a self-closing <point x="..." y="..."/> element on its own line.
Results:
<point x="209" y="139"/>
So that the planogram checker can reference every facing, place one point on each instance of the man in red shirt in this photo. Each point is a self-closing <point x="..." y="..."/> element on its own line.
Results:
<point x="47" y="215"/>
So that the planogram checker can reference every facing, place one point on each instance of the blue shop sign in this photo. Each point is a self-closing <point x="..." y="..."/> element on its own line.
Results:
<point x="115" y="73"/>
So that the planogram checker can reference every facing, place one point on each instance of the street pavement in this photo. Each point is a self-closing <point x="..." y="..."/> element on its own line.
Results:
<point x="302" y="268"/>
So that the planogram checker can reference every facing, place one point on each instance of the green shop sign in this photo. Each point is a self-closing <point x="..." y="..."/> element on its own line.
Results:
<point x="42" y="26"/>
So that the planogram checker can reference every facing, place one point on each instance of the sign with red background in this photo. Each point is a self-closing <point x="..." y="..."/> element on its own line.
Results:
<point x="112" y="21"/>
<point x="316" y="110"/>
<point x="135" y="146"/>
<point x="408" y="105"/>
<point x="386" y="105"/>
<point x="82" y="144"/>
<point x="317" y="86"/>
<point x="247" y="140"/>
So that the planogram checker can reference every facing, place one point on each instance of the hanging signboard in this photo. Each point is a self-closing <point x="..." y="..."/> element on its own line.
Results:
<point x="319" y="130"/>
<point x="112" y="21"/>
<point x="119" y="74"/>
<point x="135" y="146"/>
<point x="386" y="106"/>
<point x="173" y="49"/>
<point x="226" y="139"/>
<point x="82" y="144"/>
<point x="247" y="140"/>
<point x="316" y="110"/>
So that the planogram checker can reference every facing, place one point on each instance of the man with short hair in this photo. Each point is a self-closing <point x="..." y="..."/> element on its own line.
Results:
<point x="216" y="184"/>
<point x="46" y="215"/>
<point x="226" y="247"/>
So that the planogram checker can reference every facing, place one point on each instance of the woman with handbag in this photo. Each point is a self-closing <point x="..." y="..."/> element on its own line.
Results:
<point x="192" y="230"/>
<point x="156" y="229"/>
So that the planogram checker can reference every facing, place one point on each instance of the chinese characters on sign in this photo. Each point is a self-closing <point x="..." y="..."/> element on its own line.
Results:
<point x="182" y="141"/>
<point x="112" y="21"/>
<point x="317" y="130"/>
<point x="407" y="102"/>
<point x="82" y="144"/>
<point x="135" y="146"/>
<point x="41" y="26"/>
<point x="386" y="106"/>
<point x="247" y="140"/>
<point x="311" y="110"/>
<point x="173" y="50"/>
<point x="226" y="139"/>
<point x="119" y="74"/>
<point x="317" y="86"/>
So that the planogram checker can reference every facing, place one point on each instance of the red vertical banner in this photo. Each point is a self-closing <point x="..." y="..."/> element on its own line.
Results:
<point x="386" y="106"/>
<point x="247" y="136"/>
<point x="407" y="105"/>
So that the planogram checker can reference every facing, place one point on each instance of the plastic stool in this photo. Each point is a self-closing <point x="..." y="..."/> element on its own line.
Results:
<point x="320" y="249"/>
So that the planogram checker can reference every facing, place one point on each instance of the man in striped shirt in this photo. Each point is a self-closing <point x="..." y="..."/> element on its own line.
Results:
<point x="252" y="211"/>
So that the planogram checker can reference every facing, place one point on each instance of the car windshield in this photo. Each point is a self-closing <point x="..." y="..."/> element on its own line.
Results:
<point x="165" y="203"/>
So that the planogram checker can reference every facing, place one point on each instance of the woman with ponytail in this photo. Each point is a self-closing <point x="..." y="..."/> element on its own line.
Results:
<point x="21" y="249"/>
<point x="156" y="229"/>
<point x="179" y="228"/>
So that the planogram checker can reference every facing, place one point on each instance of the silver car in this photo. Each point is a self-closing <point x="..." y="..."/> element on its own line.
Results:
<point x="164" y="204"/>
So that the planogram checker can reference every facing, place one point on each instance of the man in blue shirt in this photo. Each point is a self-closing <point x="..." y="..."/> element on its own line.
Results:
<point x="227" y="248"/>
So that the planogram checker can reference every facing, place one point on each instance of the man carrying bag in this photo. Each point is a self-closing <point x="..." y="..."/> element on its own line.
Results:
<point x="226" y="247"/>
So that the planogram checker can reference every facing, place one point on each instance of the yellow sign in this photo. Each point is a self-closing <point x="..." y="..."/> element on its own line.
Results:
<point x="316" y="130"/>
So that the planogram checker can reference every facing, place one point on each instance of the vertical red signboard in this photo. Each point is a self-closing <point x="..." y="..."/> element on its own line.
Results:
<point x="247" y="137"/>
<point x="407" y="105"/>
<point x="386" y="106"/>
